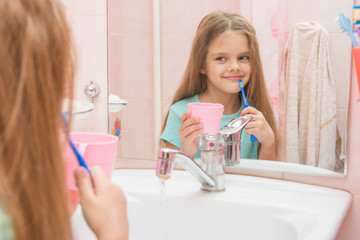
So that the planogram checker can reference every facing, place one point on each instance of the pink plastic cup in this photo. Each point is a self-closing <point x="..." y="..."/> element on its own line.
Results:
<point x="210" y="115"/>
<point x="96" y="148"/>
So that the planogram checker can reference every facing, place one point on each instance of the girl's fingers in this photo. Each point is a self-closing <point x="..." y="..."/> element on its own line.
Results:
<point x="185" y="116"/>
<point x="189" y="125"/>
<point x="99" y="178"/>
<point x="249" y="111"/>
<point x="190" y="129"/>
<point x="186" y="120"/>
<point x="192" y="124"/>
<point x="192" y="135"/>
<point x="83" y="183"/>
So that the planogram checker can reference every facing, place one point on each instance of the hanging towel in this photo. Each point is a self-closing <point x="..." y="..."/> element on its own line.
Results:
<point x="307" y="114"/>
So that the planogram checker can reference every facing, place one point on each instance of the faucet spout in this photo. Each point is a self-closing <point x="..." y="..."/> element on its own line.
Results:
<point x="166" y="159"/>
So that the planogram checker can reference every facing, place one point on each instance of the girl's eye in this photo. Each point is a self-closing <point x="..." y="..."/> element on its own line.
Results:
<point x="220" y="59"/>
<point x="244" y="58"/>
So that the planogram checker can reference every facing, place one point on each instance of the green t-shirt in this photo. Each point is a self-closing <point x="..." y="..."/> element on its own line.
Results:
<point x="6" y="231"/>
<point x="248" y="149"/>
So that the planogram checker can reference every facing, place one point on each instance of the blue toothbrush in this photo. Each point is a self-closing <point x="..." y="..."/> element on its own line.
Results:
<point x="241" y="85"/>
<point x="344" y="25"/>
<point x="80" y="158"/>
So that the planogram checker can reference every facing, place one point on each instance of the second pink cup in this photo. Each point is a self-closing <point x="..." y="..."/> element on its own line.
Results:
<point x="96" y="148"/>
<point x="210" y="115"/>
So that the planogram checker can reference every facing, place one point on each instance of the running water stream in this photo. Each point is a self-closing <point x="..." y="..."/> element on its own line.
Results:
<point x="162" y="207"/>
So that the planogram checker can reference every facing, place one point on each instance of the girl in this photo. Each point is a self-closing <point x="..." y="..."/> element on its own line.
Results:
<point x="36" y="73"/>
<point x="224" y="50"/>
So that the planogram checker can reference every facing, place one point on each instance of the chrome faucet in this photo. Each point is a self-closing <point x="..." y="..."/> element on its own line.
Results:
<point x="232" y="135"/>
<point x="216" y="150"/>
<point x="166" y="159"/>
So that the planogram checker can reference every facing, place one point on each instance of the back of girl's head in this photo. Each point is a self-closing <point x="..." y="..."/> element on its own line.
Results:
<point x="36" y="73"/>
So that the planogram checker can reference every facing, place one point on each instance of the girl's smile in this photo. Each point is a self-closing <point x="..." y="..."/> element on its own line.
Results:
<point x="233" y="78"/>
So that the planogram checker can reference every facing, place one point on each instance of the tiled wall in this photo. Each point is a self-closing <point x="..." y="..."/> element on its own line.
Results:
<point x="130" y="58"/>
<point x="131" y="74"/>
<point x="88" y="19"/>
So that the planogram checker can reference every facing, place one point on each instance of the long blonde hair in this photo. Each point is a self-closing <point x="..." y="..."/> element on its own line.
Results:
<point x="193" y="82"/>
<point x="36" y="73"/>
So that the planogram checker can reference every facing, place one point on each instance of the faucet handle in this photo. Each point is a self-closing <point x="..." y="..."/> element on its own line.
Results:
<point x="235" y="125"/>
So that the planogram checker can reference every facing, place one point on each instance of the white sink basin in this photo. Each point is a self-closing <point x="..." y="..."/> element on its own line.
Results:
<point x="249" y="208"/>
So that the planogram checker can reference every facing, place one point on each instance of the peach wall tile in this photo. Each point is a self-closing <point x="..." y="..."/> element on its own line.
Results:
<point x="245" y="9"/>
<point x="320" y="11"/>
<point x="135" y="69"/>
<point x="90" y="42"/>
<point x="184" y="16"/>
<point x="340" y="57"/>
<point x="93" y="66"/>
<point x="95" y="121"/>
<point x="227" y="5"/>
<point x="349" y="230"/>
<point x="130" y="17"/>
<point x="71" y="7"/>
<point x="130" y="163"/>
<point x="115" y="61"/>
<point x="175" y="52"/>
<point x="181" y="16"/>
<point x="353" y="140"/>
<point x="139" y="121"/>
<point x="92" y="7"/>
<point x="76" y="34"/>
<point x="92" y="57"/>
<point x="335" y="182"/>
<point x="74" y="23"/>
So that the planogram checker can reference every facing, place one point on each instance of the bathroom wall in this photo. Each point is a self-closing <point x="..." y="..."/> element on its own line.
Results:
<point x="130" y="68"/>
<point x="88" y="22"/>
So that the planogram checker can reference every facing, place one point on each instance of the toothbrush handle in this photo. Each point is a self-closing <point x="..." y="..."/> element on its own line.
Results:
<point x="354" y="42"/>
<point x="253" y="138"/>
<point x="356" y="56"/>
<point x="81" y="160"/>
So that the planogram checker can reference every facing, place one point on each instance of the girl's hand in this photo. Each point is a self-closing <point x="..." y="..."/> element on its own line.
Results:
<point x="189" y="133"/>
<point x="260" y="128"/>
<point x="103" y="204"/>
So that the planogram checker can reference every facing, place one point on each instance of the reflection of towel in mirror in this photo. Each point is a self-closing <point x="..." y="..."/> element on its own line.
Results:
<point x="308" y="98"/>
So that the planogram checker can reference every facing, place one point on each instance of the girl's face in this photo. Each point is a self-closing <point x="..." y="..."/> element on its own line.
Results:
<point x="227" y="61"/>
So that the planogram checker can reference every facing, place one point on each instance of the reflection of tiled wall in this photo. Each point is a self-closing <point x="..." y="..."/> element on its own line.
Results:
<point x="131" y="74"/>
<point x="130" y="59"/>
<point x="88" y="22"/>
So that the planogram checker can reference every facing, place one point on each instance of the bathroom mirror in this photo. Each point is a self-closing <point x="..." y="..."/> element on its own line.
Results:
<point x="148" y="48"/>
